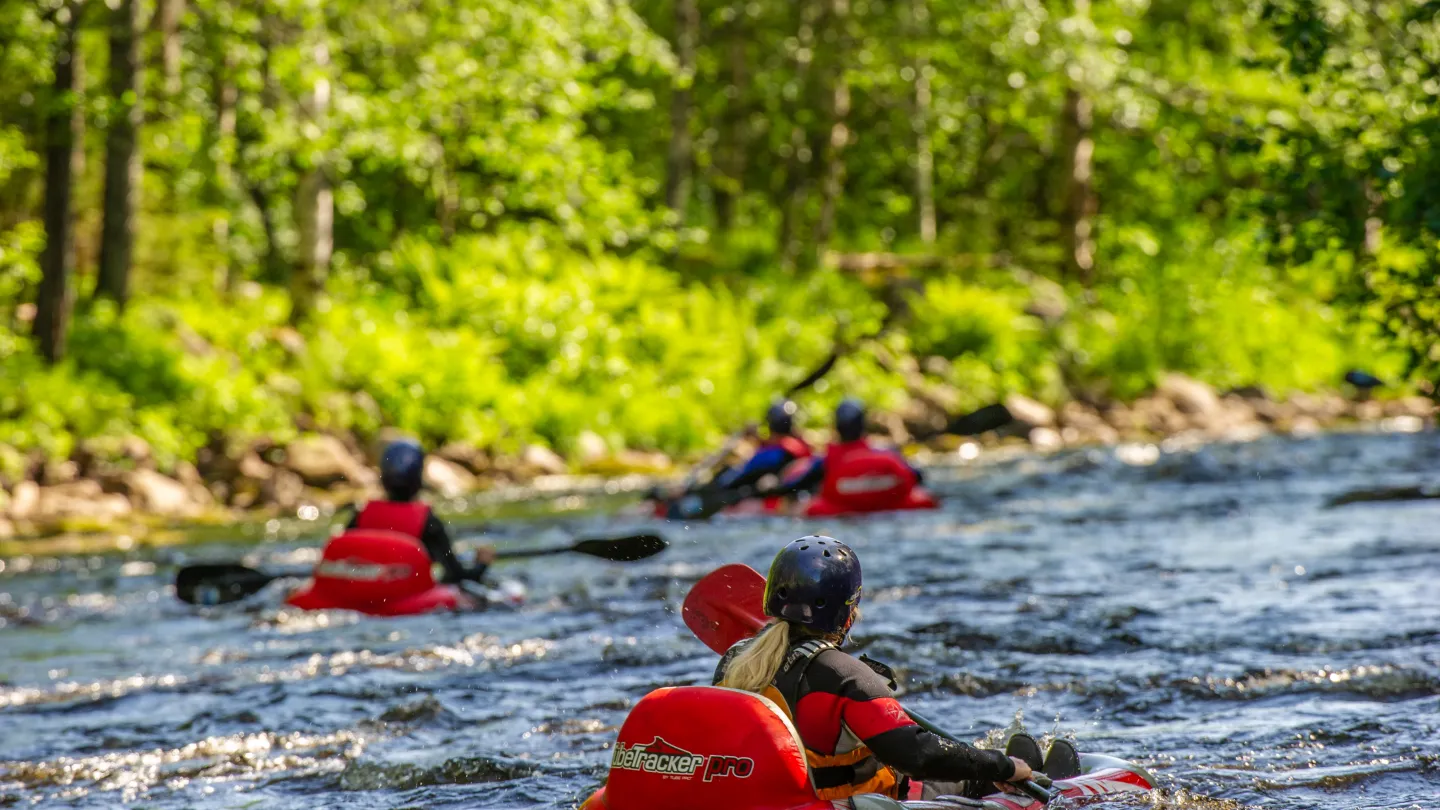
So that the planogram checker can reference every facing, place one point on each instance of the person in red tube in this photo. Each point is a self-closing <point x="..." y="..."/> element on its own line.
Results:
<point x="850" y="436"/>
<point x="779" y="451"/>
<point x="402" y="470"/>
<point x="857" y="738"/>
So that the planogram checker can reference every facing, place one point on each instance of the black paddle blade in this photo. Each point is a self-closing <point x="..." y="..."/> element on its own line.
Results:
<point x="218" y="583"/>
<point x="622" y="549"/>
<point x="988" y="418"/>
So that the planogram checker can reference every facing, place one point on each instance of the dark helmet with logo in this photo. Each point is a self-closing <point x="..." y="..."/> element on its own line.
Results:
<point x="814" y="582"/>
<point x="780" y="417"/>
<point x="401" y="470"/>
<point x="850" y="420"/>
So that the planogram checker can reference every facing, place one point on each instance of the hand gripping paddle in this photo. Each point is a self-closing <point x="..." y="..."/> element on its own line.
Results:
<point x="727" y="606"/>
<point x="222" y="583"/>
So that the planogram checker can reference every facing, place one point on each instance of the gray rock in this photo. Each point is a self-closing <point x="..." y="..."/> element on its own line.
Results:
<point x="157" y="494"/>
<point x="447" y="478"/>
<point x="1189" y="395"/>
<point x="543" y="460"/>
<point x="1030" y="412"/>
<point x="322" y="461"/>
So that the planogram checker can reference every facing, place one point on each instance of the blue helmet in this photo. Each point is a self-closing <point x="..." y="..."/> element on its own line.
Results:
<point x="401" y="470"/>
<point x="780" y="417"/>
<point x="850" y="420"/>
<point x="814" y="582"/>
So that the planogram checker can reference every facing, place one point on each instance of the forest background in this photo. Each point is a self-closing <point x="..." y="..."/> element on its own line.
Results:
<point x="520" y="223"/>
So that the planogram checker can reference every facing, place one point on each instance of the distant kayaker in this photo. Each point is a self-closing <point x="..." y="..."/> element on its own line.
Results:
<point x="850" y="421"/>
<point x="402" y="469"/>
<point x="858" y="739"/>
<point x="780" y="449"/>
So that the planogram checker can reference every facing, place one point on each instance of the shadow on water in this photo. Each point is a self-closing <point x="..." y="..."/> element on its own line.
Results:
<point x="1197" y="611"/>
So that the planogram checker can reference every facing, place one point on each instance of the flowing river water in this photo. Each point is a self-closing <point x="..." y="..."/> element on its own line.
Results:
<point x="1198" y="611"/>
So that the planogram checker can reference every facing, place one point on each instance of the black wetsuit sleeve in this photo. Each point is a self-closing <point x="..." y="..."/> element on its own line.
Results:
<point x="809" y="482"/>
<point x="921" y="755"/>
<point x="870" y="710"/>
<point x="441" y="550"/>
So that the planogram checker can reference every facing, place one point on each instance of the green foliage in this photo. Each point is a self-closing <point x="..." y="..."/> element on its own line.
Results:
<point x="994" y="346"/>
<point x="1244" y="191"/>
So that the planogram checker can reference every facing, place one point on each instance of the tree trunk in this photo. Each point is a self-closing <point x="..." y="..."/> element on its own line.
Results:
<point x="679" y="160"/>
<point x="220" y="189"/>
<point x="800" y="165"/>
<point x="1077" y="222"/>
<point x="924" y="155"/>
<point x="248" y="131"/>
<point x="314" y="206"/>
<point x="735" y="138"/>
<point x="169" y="14"/>
<point x="64" y="129"/>
<point x="839" y="136"/>
<point x="1079" y="204"/>
<point x="122" y="157"/>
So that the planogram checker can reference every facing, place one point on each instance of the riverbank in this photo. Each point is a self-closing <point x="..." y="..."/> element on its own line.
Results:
<point x="129" y="498"/>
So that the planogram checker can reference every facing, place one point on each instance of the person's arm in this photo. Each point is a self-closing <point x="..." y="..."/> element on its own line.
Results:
<point x="809" y="481"/>
<point x="869" y="709"/>
<point x="769" y="461"/>
<point x="441" y="550"/>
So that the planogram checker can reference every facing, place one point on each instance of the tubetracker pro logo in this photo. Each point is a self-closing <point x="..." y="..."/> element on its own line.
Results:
<point x="672" y="762"/>
<point x="362" y="571"/>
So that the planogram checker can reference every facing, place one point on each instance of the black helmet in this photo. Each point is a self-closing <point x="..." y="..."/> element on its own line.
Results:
<point x="401" y="470"/>
<point x="780" y="417"/>
<point x="814" y="582"/>
<point x="850" y="420"/>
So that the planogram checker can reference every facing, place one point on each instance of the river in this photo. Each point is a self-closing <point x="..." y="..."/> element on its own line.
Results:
<point x="1198" y="611"/>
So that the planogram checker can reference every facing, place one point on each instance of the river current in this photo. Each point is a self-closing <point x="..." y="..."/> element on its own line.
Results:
<point x="1197" y="610"/>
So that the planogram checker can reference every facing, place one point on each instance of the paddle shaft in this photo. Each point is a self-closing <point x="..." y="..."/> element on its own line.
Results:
<point x="221" y="583"/>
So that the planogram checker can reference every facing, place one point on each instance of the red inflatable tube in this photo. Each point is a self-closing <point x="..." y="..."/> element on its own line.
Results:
<point x="861" y="479"/>
<point x="379" y="573"/>
<point x="708" y="748"/>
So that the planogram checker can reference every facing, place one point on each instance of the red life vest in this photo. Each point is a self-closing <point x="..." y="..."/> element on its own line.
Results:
<point x="405" y="517"/>
<point x="859" y="478"/>
<point x="794" y="445"/>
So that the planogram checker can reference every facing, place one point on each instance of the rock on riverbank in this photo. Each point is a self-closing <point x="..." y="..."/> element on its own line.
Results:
<point x="119" y="485"/>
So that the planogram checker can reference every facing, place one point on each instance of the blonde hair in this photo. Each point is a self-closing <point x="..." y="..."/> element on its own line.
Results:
<point x="755" y="667"/>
